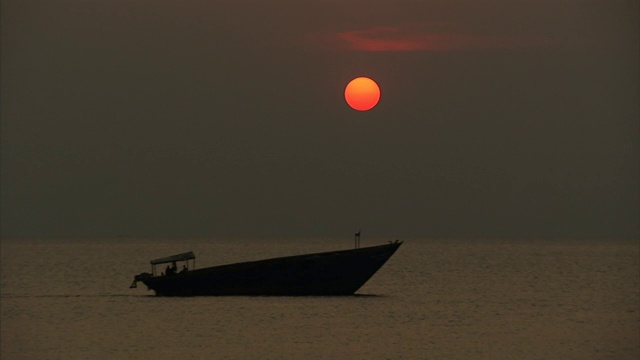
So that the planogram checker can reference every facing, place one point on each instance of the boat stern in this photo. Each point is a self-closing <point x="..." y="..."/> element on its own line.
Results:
<point x="140" y="277"/>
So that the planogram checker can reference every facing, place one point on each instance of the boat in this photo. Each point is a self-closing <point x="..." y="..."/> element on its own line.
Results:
<point x="340" y="272"/>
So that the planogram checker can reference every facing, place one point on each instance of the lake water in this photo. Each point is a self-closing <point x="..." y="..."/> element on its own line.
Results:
<point x="434" y="299"/>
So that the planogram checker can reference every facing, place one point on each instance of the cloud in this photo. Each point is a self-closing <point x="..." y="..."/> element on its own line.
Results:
<point x="428" y="37"/>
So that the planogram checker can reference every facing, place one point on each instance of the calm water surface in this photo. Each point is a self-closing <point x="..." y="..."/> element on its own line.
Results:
<point x="434" y="299"/>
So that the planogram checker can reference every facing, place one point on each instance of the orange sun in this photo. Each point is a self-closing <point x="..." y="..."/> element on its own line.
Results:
<point x="362" y="93"/>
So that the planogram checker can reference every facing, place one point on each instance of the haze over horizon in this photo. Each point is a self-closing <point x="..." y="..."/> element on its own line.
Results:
<point x="227" y="118"/>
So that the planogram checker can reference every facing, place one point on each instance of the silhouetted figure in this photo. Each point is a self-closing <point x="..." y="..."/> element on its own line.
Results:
<point x="169" y="271"/>
<point x="184" y="269"/>
<point x="357" y="239"/>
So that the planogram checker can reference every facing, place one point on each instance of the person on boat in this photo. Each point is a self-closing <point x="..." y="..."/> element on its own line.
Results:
<point x="169" y="271"/>
<point x="184" y="269"/>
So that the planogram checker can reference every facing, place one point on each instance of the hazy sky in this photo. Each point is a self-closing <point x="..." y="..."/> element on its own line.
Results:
<point x="227" y="118"/>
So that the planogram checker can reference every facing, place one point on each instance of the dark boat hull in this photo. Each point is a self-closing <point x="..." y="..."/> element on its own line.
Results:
<point x="330" y="273"/>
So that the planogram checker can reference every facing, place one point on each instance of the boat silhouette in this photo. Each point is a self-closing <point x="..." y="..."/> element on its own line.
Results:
<point x="340" y="272"/>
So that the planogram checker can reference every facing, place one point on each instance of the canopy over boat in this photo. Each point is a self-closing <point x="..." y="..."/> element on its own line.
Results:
<point x="170" y="259"/>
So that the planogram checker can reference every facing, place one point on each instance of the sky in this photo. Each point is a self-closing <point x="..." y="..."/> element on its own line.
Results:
<point x="194" y="118"/>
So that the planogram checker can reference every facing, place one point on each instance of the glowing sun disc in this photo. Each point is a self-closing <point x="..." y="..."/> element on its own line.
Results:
<point x="362" y="93"/>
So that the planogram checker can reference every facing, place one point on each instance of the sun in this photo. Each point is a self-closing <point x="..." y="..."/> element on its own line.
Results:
<point x="362" y="93"/>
